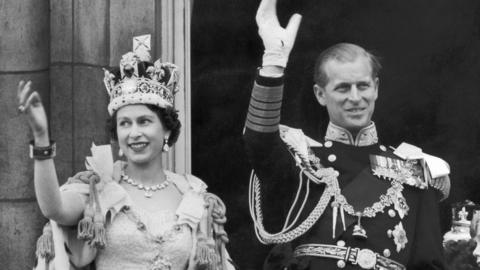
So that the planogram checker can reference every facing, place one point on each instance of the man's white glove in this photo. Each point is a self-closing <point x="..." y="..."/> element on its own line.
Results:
<point x="278" y="41"/>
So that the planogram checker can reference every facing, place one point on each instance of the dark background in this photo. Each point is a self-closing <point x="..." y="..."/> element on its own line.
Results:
<point x="429" y="88"/>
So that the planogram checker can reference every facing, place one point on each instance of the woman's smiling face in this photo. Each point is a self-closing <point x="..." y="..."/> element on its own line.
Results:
<point x="140" y="134"/>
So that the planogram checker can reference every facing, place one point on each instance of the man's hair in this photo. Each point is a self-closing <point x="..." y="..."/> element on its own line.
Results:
<point x="343" y="52"/>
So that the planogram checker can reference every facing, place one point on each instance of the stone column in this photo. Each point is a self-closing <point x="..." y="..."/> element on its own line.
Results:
<point x="90" y="50"/>
<point x="61" y="84"/>
<point x="24" y="55"/>
<point x="173" y="43"/>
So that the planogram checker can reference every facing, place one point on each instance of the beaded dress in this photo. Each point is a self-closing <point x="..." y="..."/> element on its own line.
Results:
<point x="161" y="243"/>
<point x="189" y="237"/>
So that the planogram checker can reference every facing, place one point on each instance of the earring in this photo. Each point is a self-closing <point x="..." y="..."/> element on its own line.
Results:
<point x="120" y="152"/>
<point x="165" y="147"/>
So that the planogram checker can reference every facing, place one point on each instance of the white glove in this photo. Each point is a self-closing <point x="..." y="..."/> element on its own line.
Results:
<point x="278" y="41"/>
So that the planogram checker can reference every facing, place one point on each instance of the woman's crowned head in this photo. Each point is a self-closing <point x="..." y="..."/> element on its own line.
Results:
<point x="143" y="119"/>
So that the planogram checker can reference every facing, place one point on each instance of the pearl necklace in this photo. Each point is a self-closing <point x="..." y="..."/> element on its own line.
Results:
<point x="148" y="189"/>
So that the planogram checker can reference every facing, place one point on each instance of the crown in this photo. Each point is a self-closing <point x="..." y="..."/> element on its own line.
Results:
<point x="461" y="223"/>
<point x="139" y="81"/>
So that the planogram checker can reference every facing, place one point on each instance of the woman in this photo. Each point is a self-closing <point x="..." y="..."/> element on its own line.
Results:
<point x="133" y="214"/>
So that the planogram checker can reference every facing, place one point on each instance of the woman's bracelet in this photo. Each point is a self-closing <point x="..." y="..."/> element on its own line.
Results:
<point x="43" y="152"/>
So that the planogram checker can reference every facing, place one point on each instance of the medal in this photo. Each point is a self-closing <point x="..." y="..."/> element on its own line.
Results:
<point x="399" y="236"/>
<point x="358" y="231"/>
<point x="400" y="204"/>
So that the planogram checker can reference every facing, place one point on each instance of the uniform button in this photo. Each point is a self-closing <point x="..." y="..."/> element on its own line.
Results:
<point x="341" y="243"/>
<point x="386" y="252"/>
<point x="328" y="144"/>
<point x="332" y="158"/>
<point x="391" y="213"/>
<point x="341" y="264"/>
<point x="383" y="148"/>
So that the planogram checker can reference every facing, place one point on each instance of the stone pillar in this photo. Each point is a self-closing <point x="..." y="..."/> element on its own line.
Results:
<point x="90" y="53"/>
<point x="61" y="84"/>
<point x="24" y="55"/>
<point x="173" y="43"/>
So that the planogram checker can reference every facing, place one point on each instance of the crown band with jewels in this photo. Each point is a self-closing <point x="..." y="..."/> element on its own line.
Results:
<point x="139" y="81"/>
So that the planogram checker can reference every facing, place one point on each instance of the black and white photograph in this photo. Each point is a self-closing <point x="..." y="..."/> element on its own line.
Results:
<point x="239" y="134"/>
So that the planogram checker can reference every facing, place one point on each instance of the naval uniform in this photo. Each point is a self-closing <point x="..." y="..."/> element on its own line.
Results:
<point x="403" y="234"/>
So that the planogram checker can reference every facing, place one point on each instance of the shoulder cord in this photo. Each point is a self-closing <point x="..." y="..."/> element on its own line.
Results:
<point x="307" y="192"/>
<point x="210" y="253"/>
<point x="91" y="227"/>
<point x="217" y="220"/>
<point x="216" y="216"/>
<point x="45" y="247"/>
<point x="287" y="234"/>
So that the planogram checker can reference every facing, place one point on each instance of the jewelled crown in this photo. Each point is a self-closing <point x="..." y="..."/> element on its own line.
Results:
<point x="139" y="81"/>
<point x="462" y="221"/>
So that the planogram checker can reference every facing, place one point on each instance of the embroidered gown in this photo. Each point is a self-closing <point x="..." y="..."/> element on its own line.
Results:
<point x="141" y="239"/>
<point x="146" y="240"/>
<point x="162" y="242"/>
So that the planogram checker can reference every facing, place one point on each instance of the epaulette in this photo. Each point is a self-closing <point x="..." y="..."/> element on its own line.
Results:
<point x="435" y="170"/>
<point x="299" y="145"/>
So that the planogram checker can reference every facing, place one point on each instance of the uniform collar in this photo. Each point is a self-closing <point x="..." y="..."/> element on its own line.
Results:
<point x="365" y="137"/>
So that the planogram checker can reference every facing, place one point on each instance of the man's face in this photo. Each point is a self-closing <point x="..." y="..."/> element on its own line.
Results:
<point x="350" y="93"/>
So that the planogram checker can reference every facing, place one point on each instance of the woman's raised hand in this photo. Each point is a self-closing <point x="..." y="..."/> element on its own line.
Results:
<point x="30" y="104"/>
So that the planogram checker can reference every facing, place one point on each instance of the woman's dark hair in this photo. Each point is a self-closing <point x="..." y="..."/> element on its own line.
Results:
<point x="168" y="116"/>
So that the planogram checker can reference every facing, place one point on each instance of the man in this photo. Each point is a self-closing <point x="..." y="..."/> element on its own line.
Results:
<point x="357" y="205"/>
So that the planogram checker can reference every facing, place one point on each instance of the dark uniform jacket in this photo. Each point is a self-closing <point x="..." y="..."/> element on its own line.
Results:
<point x="279" y="177"/>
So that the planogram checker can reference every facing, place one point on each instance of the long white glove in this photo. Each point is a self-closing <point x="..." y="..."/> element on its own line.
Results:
<point x="278" y="41"/>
